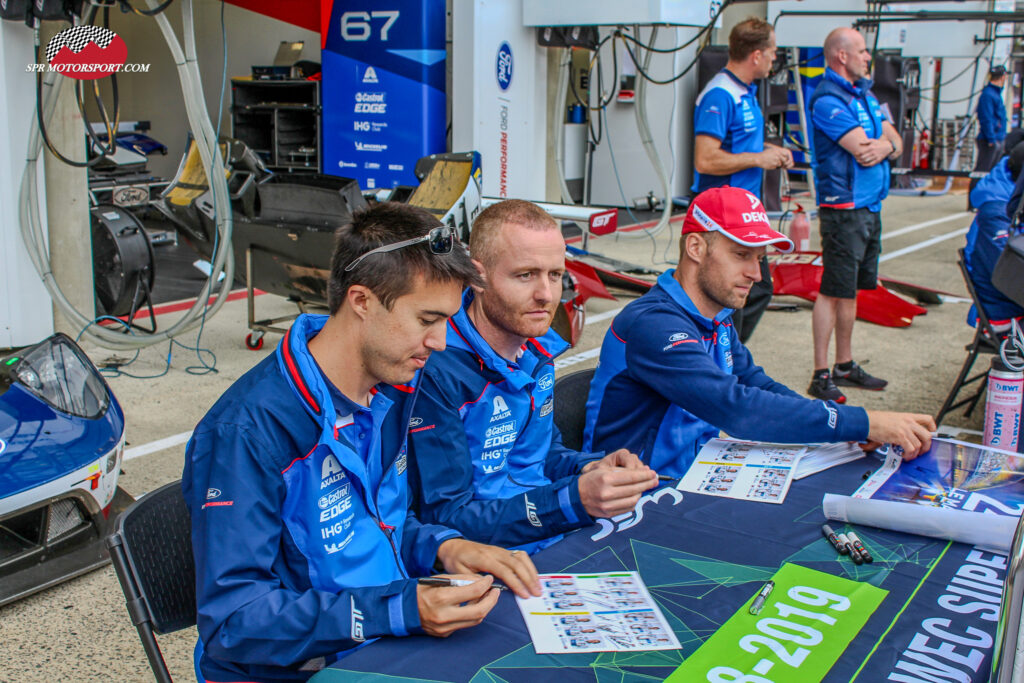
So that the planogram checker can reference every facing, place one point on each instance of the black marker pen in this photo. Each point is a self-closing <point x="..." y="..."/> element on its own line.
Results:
<point x="860" y="547"/>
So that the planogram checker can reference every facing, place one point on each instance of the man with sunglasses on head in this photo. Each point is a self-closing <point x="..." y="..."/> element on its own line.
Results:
<point x="296" y="479"/>
<point x="729" y="147"/>
<point x="487" y="458"/>
<point x="673" y="372"/>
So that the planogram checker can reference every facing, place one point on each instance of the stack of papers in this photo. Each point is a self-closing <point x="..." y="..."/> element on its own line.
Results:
<point x="820" y="457"/>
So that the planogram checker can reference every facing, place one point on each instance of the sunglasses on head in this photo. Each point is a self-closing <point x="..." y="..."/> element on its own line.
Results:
<point x="441" y="240"/>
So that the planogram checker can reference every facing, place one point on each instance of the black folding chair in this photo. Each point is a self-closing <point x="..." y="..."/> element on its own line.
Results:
<point x="985" y="341"/>
<point x="151" y="551"/>
<point x="571" y="406"/>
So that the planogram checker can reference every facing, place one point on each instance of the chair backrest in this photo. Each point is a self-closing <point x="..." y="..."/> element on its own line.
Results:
<point x="984" y="324"/>
<point x="151" y="551"/>
<point x="571" y="406"/>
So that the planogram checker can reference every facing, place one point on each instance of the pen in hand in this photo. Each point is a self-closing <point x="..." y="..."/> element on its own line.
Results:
<point x="445" y="581"/>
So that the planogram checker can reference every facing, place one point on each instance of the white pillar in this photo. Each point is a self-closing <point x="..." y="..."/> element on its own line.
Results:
<point x="25" y="316"/>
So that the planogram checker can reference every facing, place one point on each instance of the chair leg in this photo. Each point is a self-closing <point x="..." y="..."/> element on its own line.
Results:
<point x="948" y="405"/>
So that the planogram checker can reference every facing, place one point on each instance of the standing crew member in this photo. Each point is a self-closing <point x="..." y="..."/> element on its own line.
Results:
<point x="853" y="143"/>
<point x="991" y="113"/>
<point x="296" y="480"/>
<point x="729" y="148"/>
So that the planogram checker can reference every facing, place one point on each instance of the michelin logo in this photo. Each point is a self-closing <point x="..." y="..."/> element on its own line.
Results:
<point x="371" y="147"/>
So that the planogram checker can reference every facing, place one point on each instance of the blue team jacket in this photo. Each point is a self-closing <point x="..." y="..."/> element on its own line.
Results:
<point x="487" y="458"/>
<point x="986" y="239"/>
<point x="669" y="378"/>
<point x="991" y="115"/>
<point x="837" y="107"/>
<point x="303" y="541"/>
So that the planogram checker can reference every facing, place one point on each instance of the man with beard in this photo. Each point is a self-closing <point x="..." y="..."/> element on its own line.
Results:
<point x="673" y="372"/>
<point x="296" y="481"/>
<point x="486" y="456"/>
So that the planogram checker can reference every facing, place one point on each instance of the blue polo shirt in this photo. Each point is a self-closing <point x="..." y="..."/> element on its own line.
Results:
<point x="727" y="110"/>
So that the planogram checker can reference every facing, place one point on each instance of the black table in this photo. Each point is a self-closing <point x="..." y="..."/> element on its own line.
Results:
<point x="702" y="557"/>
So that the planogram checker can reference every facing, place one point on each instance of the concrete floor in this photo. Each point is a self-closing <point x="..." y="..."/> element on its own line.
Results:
<point x="80" y="631"/>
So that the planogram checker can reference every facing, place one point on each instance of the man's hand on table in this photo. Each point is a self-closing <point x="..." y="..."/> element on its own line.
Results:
<point x="909" y="431"/>
<point x="446" y="609"/>
<point x="619" y="458"/>
<point x="514" y="568"/>
<point x="609" y="490"/>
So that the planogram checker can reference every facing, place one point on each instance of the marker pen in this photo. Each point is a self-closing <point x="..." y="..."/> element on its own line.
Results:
<point x="834" y="540"/>
<point x="860" y="547"/>
<point x="762" y="595"/>
<point x="854" y="554"/>
<point x="445" y="581"/>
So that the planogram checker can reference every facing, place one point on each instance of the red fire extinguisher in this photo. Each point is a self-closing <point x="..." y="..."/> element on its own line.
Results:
<point x="923" y="150"/>
<point x="800" y="230"/>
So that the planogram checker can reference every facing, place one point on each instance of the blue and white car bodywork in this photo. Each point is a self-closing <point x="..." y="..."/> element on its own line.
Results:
<point x="61" y="442"/>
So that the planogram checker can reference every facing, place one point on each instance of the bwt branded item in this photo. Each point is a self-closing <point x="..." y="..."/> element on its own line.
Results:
<point x="1003" y="406"/>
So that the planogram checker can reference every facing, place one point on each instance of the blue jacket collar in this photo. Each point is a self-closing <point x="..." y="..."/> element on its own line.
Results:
<point x="668" y="282"/>
<point x="751" y="87"/>
<point x="321" y="399"/>
<point x="462" y="334"/>
<point x="996" y="186"/>
<point x="857" y="89"/>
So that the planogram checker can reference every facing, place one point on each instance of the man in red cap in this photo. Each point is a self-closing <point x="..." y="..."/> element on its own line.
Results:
<point x="673" y="372"/>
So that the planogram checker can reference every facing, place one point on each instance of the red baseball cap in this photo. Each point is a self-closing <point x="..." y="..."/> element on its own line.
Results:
<point x="737" y="214"/>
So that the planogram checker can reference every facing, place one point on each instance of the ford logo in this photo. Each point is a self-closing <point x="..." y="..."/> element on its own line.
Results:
<point x="415" y="422"/>
<point x="212" y="493"/>
<point x="545" y="382"/>
<point x="503" y="66"/>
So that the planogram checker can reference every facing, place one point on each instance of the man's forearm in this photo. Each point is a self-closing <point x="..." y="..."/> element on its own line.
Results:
<point x="720" y="162"/>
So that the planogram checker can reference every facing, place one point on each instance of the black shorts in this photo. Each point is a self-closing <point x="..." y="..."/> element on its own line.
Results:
<point x="850" y="245"/>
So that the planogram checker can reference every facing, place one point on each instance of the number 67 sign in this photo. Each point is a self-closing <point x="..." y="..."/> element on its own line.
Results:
<point x="805" y="625"/>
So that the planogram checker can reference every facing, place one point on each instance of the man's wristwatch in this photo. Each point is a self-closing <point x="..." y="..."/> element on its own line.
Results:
<point x="892" y="144"/>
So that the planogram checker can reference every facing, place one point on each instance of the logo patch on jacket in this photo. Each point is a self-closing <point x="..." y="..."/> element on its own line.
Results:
<point x="501" y="410"/>
<point x="545" y="382"/>
<point x="548" y="407"/>
<point x="330" y="471"/>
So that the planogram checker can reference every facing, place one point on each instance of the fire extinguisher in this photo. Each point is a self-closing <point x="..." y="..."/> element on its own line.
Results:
<point x="924" y="150"/>
<point x="800" y="230"/>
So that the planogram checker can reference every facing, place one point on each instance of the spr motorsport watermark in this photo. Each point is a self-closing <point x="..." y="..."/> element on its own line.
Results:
<point x="87" y="53"/>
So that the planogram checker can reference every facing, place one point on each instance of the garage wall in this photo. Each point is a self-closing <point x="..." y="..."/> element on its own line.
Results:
<point x="156" y="96"/>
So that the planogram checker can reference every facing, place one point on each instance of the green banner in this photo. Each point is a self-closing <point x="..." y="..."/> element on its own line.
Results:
<point x="806" y="623"/>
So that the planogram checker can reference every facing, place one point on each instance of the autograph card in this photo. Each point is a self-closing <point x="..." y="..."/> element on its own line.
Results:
<point x="609" y="612"/>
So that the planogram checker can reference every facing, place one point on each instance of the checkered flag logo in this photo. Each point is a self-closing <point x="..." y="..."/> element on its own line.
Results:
<point x="77" y="38"/>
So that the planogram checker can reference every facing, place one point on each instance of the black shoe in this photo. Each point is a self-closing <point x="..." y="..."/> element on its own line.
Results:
<point x="824" y="388"/>
<point x="856" y="377"/>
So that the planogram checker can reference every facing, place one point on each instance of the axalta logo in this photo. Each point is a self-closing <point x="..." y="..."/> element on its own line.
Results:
<point x="545" y="382"/>
<point x="531" y="512"/>
<point x="370" y="75"/>
<point x="330" y="471"/>
<point x="211" y="493"/>
<point x="500" y="409"/>
<point x="503" y="66"/>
